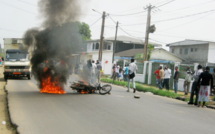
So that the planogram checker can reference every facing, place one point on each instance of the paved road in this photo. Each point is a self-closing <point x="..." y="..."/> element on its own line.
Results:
<point x="118" y="113"/>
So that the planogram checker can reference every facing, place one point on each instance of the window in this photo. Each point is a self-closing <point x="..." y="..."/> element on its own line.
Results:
<point x="94" y="46"/>
<point x="180" y="51"/>
<point x="97" y="46"/>
<point x="196" y="49"/>
<point x="14" y="41"/>
<point x="186" y="51"/>
<point x="191" y="50"/>
<point x="173" y="50"/>
<point x="107" y="46"/>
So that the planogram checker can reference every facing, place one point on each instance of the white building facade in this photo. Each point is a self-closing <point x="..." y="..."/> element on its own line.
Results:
<point x="93" y="52"/>
<point x="194" y="51"/>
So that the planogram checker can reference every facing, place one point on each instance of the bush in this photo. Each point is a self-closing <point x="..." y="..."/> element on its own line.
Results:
<point x="143" y="88"/>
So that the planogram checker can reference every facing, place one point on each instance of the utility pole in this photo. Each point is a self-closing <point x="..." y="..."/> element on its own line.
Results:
<point x="147" y="32"/>
<point x="114" y="45"/>
<point x="102" y="36"/>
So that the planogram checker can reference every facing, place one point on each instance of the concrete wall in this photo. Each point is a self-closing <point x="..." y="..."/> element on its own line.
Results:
<point x="93" y="55"/>
<point x="196" y="53"/>
<point x="181" y="85"/>
<point x="10" y="44"/>
<point x="106" y="61"/>
<point x="211" y="53"/>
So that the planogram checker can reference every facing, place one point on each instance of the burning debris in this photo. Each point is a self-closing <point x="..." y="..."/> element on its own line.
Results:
<point x="85" y="88"/>
<point x="52" y="47"/>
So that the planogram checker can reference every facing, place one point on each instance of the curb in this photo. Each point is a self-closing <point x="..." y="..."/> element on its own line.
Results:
<point x="208" y="106"/>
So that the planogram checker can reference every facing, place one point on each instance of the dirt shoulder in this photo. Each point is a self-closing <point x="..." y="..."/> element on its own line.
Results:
<point x="5" y="125"/>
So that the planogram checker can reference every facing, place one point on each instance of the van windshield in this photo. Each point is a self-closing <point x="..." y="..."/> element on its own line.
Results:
<point x="16" y="56"/>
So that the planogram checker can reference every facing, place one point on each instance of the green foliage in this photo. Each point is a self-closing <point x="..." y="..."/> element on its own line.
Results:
<point x="120" y="62"/>
<point x="85" y="30"/>
<point x="141" y="87"/>
<point x="140" y="56"/>
<point x="2" y="55"/>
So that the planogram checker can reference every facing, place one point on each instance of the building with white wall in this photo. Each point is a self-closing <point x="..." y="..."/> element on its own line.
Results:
<point x="194" y="51"/>
<point x="110" y="48"/>
<point x="92" y="53"/>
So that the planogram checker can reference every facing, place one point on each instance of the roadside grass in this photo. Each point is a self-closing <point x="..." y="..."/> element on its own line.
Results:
<point x="144" y="88"/>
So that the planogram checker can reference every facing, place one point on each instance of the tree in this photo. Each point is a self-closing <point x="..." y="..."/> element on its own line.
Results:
<point x="140" y="56"/>
<point x="85" y="30"/>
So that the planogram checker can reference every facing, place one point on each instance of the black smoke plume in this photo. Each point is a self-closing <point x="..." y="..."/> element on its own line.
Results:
<point x="52" y="47"/>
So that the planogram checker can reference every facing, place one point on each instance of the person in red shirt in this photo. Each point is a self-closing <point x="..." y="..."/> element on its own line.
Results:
<point x="158" y="78"/>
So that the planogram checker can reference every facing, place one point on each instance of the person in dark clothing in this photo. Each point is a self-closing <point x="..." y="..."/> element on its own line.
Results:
<point x="176" y="77"/>
<point x="206" y="84"/>
<point x="195" y="88"/>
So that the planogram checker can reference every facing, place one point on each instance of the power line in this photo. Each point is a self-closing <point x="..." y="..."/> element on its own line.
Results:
<point x="95" y="21"/>
<point x="129" y="34"/>
<point x="29" y="12"/>
<point x="186" y="16"/>
<point x="26" y="2"/>
<point x="141" y="23"/>
<point x="192" y="6"/>
<point x="165" y="3"/>
<point x="157" y="41"/>
<point x="112" y="19"/>
<point x="186" y="22"/>
<point x="124" y="30"/>
<point x="191" y="15"/>
<point x="128" y="14"/>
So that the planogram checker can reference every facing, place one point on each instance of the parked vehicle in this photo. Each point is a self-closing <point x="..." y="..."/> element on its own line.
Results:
<point x="17" y="64"/>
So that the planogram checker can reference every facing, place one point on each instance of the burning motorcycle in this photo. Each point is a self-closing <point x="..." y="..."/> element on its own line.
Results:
<point x="85" y="88"/>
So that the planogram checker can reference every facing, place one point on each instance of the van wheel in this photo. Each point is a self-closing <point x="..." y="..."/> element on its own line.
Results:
<point x="5" y="78"/>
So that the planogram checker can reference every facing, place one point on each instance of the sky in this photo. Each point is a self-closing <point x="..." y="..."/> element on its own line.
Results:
<point x="175" y="20"/>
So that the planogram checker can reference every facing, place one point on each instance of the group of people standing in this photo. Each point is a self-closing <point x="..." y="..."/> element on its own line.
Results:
<point x="202" y="86"/>
<point x="93" y="71"/>
<point x="163" y="77"/>
<point x="1" y="60"/>
<point x="128" y="74"/>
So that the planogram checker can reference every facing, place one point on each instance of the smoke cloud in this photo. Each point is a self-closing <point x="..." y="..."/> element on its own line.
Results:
<point x="58" y="12"/>
<point x="53" y="46"/>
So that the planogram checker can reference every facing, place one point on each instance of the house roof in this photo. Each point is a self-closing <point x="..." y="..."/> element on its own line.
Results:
<point x="129" y="53"/>
<point x="127" y="39"/>
<point x="189" y="42"/>
<point x="161" y="49"/>
<point x="133" y="52"/>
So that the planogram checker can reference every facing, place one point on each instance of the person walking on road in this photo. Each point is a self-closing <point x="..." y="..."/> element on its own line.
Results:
<point x="132" y="72"/>
<point x="176" y="77"/>
<point x="195" y="88"/>
<point x="206" y="84"/>
<point x="167" y="75"/>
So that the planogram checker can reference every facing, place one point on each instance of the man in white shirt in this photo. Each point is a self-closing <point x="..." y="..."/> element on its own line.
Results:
<point x="167" y="75"/>
<point x="93" y="73"/>
<point x="195" y="88"/>
<point x="132" y="71"/>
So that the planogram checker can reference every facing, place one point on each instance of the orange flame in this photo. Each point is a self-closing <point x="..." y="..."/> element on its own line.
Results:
<point x="49" y="86"/>
<point x="84" y="92"/>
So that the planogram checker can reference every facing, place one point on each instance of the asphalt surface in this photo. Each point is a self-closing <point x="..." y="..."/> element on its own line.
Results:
<point x="118" y="113"/>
